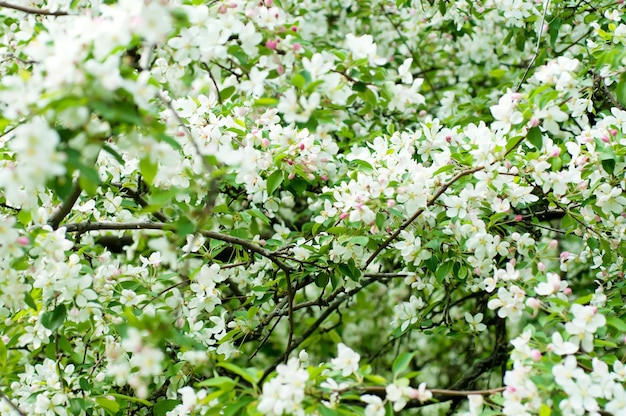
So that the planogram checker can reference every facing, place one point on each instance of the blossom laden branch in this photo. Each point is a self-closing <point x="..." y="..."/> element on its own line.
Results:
<point x="98" y="226"/>
<point x="32" y="10"/>
<point x="12" y="405"/>
<point x="419" y="212"/>
<point x="532" y="61"/>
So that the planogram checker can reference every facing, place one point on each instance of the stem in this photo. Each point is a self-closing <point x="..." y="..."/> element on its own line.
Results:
<point x="66" y="207"/>
<point x="32" y="10"/>
<point x="419" y="212"/>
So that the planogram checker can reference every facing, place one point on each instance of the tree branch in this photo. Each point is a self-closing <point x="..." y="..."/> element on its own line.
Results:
<point x="66" y="207"/>
<point x="32" y="10"/>
<point x="419" y="212"/>
<point x="83" y="227"/>
<point x="11" y="404"/>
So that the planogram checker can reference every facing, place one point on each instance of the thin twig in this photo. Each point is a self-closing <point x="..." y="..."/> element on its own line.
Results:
<point x="11" y="404"/>
<point x="83" y="227"/>
<point x="314" y="327"/>
<point x="532" y="61"/>
<point x="32" y="10"/>
<point x="419" y="212"/>
<point x="415" y="58"/>
<point x="217" y="90"/>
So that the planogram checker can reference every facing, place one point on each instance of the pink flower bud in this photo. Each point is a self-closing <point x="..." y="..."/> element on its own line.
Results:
<point x="564" y="255"/>
<point x="291" y="176"/>
<point x="280" y="69"/>
<point x="553" y="244"/>
<point x="516" y="96"/>
<point x="605" y="138"/>
<point x="533" y="303"/>
<point x="518" y="217"/>
<point x="422" y="113"/>
<point x="23" y="241"/>
<point x="534" y="122"/>
<point x="301" y="146"/>
<point x="294" y="28"/>
<point x="535" y="355"/>
<point x="296" y="47"/>
<point x="391" y="203"/>
<point x="271" y="44"/>
<point x="262" y="242"/>
<point x="541" y="267"/>
<point x="613" y="132"/>
<point x="567" y="291"/>
<point x="344" y="215"/>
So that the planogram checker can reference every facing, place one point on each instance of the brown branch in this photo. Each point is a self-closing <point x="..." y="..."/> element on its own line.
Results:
<point x="314" y="327"/>
<point x="532" y="61"/>
<point x="217" y="90"/>
<point x="66" y="207"/>
<point x="136" y="196"/>
<point x="419" y="212"/>
<point x="413" y="54"/>
<point x="11" y="404"/>
<point x="83" y="227"/>
<point x="32" y="10"/>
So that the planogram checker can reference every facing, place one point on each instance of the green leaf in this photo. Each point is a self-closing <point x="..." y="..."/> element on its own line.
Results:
<point x="322" y="279"/>
<point x="131" y="399"/>
<point x="164" y="406"/>
<point x="113" y="153"/>
<point x="216" y="382"/>
<point x="28" y="299"/>
<point x="616" y="322"/>
<point x="89" y="179"/>
<point x="265" y="102"/>
<point x="148" y="169"/>
<point x="239" y="371"/>
<point x="444" y="168"/>
<point x="608" y="165"/>
<point x="401" y="363"/>
<point x="110" y="406"/>
<point x="169" y="140"/>
<point x="233" y="409"/>
<point x="118" y="112"/>
<point x="534" y="137"/>
<point x="3" y="354"/>
<point x="298" y="81"/>
<point x="443" y="270"/>
<point x="54" y="319"/>
<point x="274" y="181"/>
<point x="227" y="92"/>
<point x="545" y="410"/>
<point x="621" y="92"/>
<point x="184" y="226"/>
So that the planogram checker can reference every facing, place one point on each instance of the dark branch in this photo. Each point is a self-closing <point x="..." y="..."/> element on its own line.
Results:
<point x="32" y="10"/>
<point x="66" y="207"/>
<point x="419" y="212"/>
